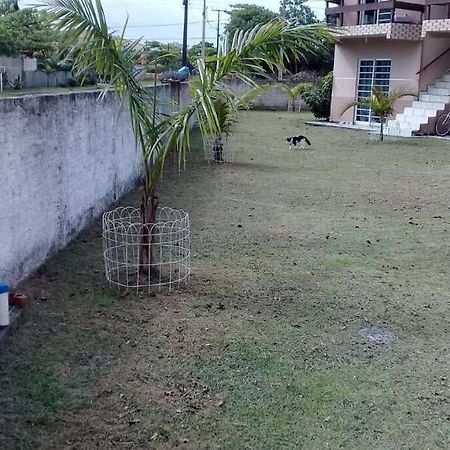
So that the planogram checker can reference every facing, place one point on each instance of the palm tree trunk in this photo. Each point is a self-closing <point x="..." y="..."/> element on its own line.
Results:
<point x="381" y="129"/>
<point x="218" y="149"/>
<point x="149" y="207"/>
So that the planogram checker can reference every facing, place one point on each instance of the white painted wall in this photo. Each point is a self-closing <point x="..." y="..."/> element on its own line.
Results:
<point x="274" y="99"/>
<point x="17" y="66"/>
<point x="63" y="160"/>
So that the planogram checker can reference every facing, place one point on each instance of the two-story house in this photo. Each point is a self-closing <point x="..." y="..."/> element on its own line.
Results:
<point x="392" y="44"/>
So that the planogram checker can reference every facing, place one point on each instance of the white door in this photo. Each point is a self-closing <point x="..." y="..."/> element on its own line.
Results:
<point x="372" y="72"/>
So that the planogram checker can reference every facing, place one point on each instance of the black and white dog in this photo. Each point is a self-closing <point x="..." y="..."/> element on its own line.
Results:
<point x="294" y="140"/>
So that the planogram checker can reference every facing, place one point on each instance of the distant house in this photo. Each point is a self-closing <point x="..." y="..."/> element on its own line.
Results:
<point x="392" y="44"/>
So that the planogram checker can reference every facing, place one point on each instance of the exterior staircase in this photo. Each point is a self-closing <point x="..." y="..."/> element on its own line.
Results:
<point x="417" y="117"/>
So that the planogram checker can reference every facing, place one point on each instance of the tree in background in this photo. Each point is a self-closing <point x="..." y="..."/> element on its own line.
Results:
<point x="318" y="97"/>
<point x="8" y="6"/>
<point x="24" y="31"/>
<point x="195" y="51"/>
<point x="322" y="58"/>
<point x="297" y="12"/>
<point x="245" y="16"/>
<point x="293" y="93"/>
<point x="167" y="54"/>
<point x="54" y="63"/>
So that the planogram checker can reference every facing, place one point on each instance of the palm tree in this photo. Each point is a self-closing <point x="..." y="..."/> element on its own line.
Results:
<point x="243" y="58"/>
<point x="293" y="94"/>
<point x="227" y="107"/>
<point x="86" y="28"/>
<point x="52" y="64"/>
<point x="381" y="103"/>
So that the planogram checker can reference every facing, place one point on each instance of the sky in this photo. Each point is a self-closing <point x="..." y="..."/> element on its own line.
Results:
<point x="162" y="20"/>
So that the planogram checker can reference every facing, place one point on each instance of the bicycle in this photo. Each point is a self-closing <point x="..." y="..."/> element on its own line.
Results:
<point x="443" y="124"/>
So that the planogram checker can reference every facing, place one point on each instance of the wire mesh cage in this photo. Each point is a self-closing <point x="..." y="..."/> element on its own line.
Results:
<point x="219" y="149"/>
<point x="144" y="256"/>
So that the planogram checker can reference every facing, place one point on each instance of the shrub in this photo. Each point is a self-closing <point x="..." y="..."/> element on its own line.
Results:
<point x="16" y="83"/>
<point x="318" y="97"/>
<point x="72" y="82"/>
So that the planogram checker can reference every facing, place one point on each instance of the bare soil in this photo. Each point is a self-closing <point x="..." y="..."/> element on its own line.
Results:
<point x="299" y="259"/>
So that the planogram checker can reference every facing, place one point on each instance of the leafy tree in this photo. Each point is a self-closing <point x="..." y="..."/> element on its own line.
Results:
<point x="52" y="64"/>
<point x="195" y="51"/>
<point x="318" y="97"/>
<point x="245" y="16"/>
<point x="297" y="12"/>
<point x="8" y="6"/>
<point x="381" y="103"/>
<point x="24" y="31"/>
<point x="167" y="54"/>
<point x="322" y="57"/>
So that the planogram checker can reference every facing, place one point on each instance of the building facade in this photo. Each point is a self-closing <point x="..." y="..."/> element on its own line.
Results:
<point x="392" y="44"/>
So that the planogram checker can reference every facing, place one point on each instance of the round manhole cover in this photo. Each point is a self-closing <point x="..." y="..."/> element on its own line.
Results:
<point x="377" y="335"/>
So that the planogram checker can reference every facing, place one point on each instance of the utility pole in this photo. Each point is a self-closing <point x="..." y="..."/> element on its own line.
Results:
<point x="283" y="16"/>
<point x="184" y="57"/>
<point x="218" y="27"/>
<point x="203" y="30"/>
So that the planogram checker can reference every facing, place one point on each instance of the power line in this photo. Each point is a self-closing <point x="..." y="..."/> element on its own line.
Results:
<point x="218" y="27"/>
<point x="152" y="25"/>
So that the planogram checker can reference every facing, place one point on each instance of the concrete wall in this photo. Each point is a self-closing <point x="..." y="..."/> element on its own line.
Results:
<point x="405" y="57"/>
<point x="18" y="67"/>
<point x="433" y="46"/>
<point x="14" y="66"/>
<point x="274" y="99"/>
<point x="64" y="159"/>
<point x="41" y="79"/>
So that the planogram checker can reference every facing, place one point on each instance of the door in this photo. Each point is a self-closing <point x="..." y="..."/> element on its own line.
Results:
<point x="372" y="72"/>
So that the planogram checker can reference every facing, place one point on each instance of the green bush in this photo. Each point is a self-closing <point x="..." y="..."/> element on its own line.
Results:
<point x="72" y="82"/>
<point x="318" y="97"/>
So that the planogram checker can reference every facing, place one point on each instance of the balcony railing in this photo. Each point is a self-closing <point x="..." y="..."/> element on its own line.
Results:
<point x="390" y="11"/>
<point x="437" y="9"/>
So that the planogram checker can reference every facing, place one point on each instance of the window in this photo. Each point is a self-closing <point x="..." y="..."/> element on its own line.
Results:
<point x="376" y="15"/>
<point x="372" y="72"/>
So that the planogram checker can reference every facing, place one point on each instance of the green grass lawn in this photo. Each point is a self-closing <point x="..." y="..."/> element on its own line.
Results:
<point x="294" y="253"/>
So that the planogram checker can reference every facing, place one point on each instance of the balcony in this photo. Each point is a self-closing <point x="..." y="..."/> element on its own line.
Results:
<point x="437" y="18"/>
<point x="390" y="19"/>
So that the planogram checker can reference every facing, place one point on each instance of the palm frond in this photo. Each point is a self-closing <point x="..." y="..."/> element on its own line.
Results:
<point x="98" y="50"/>
<point x="382" y="104"/>
<point x="293" y="91"/>
<point x="214" y="106"/>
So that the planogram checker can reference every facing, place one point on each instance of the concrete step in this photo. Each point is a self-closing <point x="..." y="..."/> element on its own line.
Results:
<point x="434" y="98"/>
<point x="428" y="105"/>
<point x="442" y="84"/>
<point x="438" y="91"/>
<point x="408" y="122"/>
<point x="419" y="112"/>
<point x="398" y="132"/>
<point x="414" y="119"/>
<point x="411" y="120"/>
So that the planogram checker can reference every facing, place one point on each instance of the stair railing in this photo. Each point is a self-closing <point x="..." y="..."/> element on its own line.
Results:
<point x="433" y="61"/>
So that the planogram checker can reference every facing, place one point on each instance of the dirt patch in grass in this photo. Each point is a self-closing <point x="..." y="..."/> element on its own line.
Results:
<point x="294" y="253"/>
